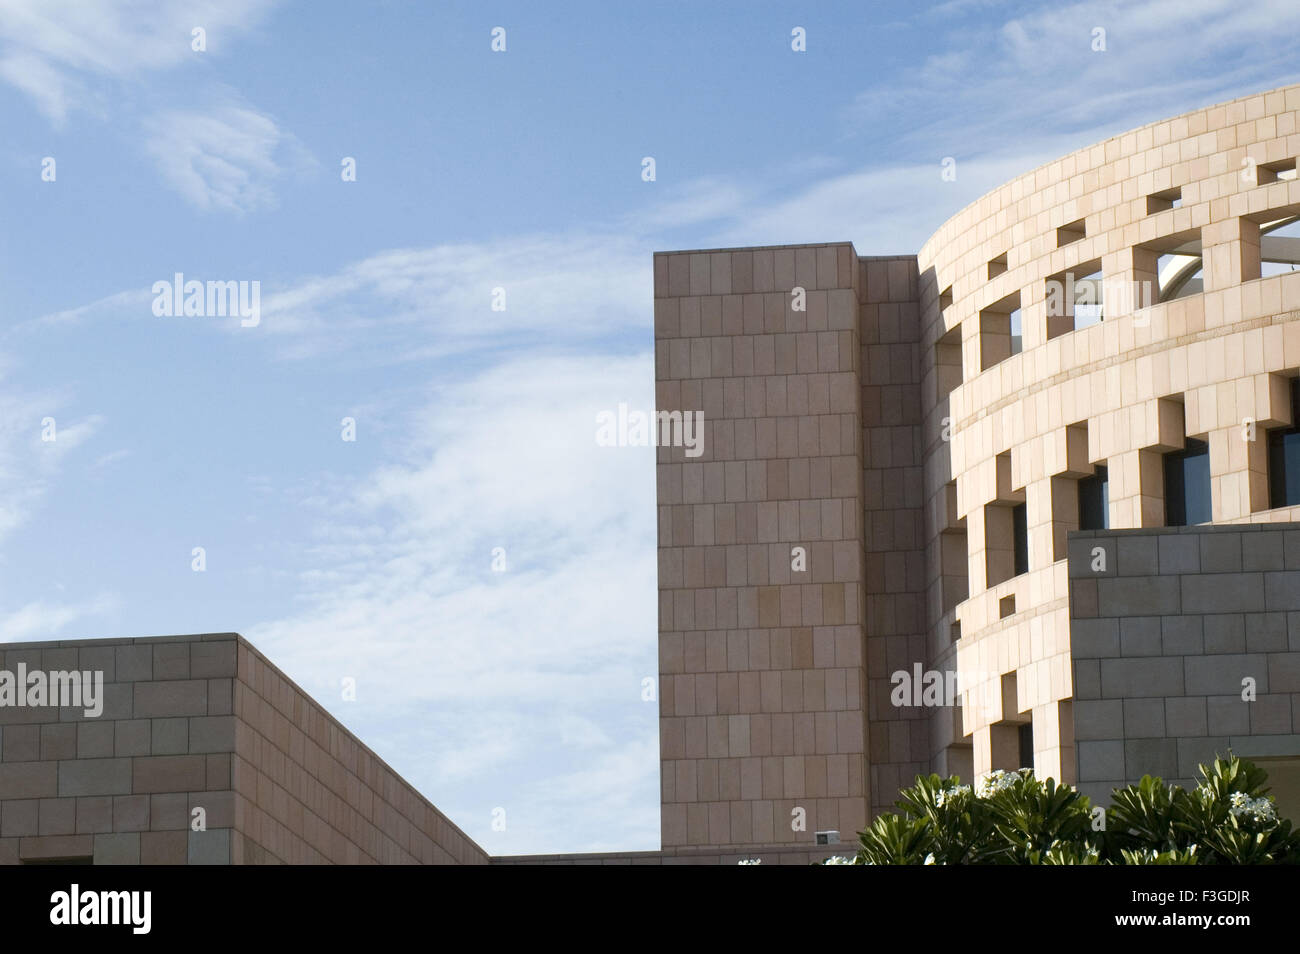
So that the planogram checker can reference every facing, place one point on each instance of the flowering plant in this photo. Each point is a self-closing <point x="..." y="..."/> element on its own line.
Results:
<point x="1014" y="818"/>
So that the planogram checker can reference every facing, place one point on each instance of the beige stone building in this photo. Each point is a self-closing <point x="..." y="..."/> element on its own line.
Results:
<point x="1028" y="497"/>
<point x="900" y="454"/>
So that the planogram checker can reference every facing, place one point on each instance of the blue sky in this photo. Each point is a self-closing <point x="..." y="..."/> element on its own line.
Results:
<point x="475" y="428"/>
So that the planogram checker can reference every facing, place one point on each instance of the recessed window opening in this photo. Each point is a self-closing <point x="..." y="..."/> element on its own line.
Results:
<point x="1089" y="304"/>
<point x="1163" y="201"/>
<point x="1020" y="531"/>
<point x="1071" y="232"/>
<point x="1094" y="500"/>
<point x="1000" y="332"/>
<point x="947" y="363"/>
<point x="1283" y="170"/>
<point x="1284" y="457"/>
<point x="1026" y="746"/>
<point x="1074" y="299"/>
<point x="1180" y="275"/>
<point x="1187" y="485"/>
<point x="1279" y="247"/>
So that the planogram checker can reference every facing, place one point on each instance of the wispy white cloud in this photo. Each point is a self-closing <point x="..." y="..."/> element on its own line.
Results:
<point x="224" y="159"/>
<point x="105" y="461"/>
<point x="40" y="620"/>
<point x="50" y="89"/>
<point x="505" y="459"/>
<point x="28" y="464"/>
<point x="396" y="306"/>
<point x="697" y="201"/>
<point x="402" y="305"/>
<point x="999" y="85"/>
<point x="525" y="672"/>
<point x="67" y="55"/>
<point x="58" y="52"/>
<point x="133" y="301"/>
<point x="423" y="303"/>
<point x="608" y="802"/>
<point x="888" y="210"/>
<point x="580" y="799"/>
<point x="1000" y="93"/>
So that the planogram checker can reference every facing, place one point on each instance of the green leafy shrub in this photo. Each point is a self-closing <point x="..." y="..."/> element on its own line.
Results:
<point x="1012" y="818"/>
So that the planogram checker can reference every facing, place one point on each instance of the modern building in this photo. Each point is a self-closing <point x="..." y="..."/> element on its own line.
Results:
<point x="1028" y="497"/>
<point x="1055" y="453"/>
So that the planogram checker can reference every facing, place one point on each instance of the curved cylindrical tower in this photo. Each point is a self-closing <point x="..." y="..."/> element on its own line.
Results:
<point x="1089" y="329"/>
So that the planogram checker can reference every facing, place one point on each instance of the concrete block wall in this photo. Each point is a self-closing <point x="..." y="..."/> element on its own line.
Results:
<point x="120" y="788"/>
<point x="1163" y="638"/>
<point x="200" y="722"/>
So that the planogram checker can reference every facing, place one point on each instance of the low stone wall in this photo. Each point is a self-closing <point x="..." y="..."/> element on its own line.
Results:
<point x="1185" y="643"/>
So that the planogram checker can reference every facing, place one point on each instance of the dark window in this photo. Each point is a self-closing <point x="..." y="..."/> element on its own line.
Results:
<point x="1284" y="457"/>
<point x="1020" y="527"/>
<point x="1187" y="485"/>
<point x="1094" y="501"/>
<point x="1027" y="745"/>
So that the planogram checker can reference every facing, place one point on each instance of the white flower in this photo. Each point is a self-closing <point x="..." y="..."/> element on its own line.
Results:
<point x="994" y="782"/>
<point x="942" y="796"/>
<point x="1260" y="809"/>
<point x="929" y="859"/>
<point x="750" y="861"/>
<point x="837" y="860"/>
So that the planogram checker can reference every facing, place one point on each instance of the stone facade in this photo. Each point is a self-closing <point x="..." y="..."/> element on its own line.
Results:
<point x="200" y="722"/>
<point x="1185" y="643"/>
<point x="762" y="678"/>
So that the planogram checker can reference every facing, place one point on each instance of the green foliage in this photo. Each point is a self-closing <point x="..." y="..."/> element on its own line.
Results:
<point x="1033" y="817"/>
<point x="1014" y="818"/>
<point x="897" y="840"/>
